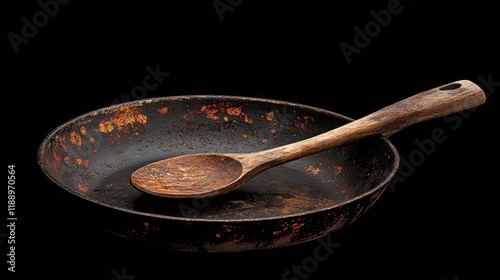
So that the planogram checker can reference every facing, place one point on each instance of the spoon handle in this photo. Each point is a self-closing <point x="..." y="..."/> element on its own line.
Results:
<point x="430" y="104"/>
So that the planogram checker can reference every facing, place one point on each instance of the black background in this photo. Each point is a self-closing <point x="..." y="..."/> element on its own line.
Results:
<point x="437" y="224"/>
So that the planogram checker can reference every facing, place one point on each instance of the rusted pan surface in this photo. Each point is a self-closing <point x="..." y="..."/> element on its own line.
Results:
<point x="92" y="156"/>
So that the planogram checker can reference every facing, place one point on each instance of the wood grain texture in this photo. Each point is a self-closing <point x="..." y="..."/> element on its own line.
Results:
<point x="205" y="175"/>
<point x="430" y="104"/>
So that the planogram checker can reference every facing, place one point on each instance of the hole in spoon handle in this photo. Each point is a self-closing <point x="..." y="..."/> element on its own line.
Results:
<point x="458" y="96"/>
<point x="451" y="86"/>
<point x="433" y="103"/>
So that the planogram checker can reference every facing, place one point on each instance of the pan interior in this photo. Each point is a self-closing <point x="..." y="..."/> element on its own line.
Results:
<point x="93" y="156"/>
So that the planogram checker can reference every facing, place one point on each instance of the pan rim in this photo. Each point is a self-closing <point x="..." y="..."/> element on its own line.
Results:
<point x="379" y="187"/>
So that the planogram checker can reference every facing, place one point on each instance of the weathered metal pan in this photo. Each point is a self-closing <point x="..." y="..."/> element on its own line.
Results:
<point x="92" y="156"/>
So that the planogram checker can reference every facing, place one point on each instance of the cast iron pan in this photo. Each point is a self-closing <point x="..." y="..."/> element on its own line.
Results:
<point x="92" y="157"/>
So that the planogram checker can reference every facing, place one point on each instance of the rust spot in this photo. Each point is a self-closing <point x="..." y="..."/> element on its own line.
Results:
<point x="80" y="161"/>
<point x="146" y="224"/>
<point x="313" y="170"/>
<point x="297" y="226"/>
<point x="75" y="139"/>
<point x="248" y="119"/>
<point x="61" y="142"/>
<point x="302" y="124"/>
<point x="234" y="111"/>
<point x="66" y="158"/>
<point x="83" y="188"/>
<point x="337" y="169"/>
<point x="94" y="150"/>
<point x="125" y="116"/>
<point x="163" y="110"/>
<point x="244" y="135"/>
<point x="83" y="130"/>
<point x="270" y="116"/>
<point x="273" y="131"/>
<point x="276" y="232"/>
<point x="264" y="141"/>
<point x="210" y="112"/>
<point x="56" y="157"/>
<point x="92" y="140"/>
<point x="217" y="235"/>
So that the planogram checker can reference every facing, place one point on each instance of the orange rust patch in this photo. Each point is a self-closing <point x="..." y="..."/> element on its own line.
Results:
<point x="92" y="140"/>
<point x="213" y="111"/>
<point x="83" y="188"/>
<point x="244" y="135"/>
<point x="264" y="141"/>
<point x="61" y="142"/>
<point x="94" y="150"/>
<point x="210" y="112"/>
<point x="273" y="131"/>
<point x="80" y="161"/>
<point x="146" y="224"/>
<point x="75" y="139"/>
<point x="126" y="116"/>
<point x="302" y="124"/>
<point x="276" y="232"/>
<point x="297" y="226"/>
<point x="217" y="235"/>
<point x="313" y="170"/>
<point x="270" y="116"/>
<point x="248" y="119"/>
<point x="56" y="157"/>
<point x="234" y="111"/>
<point x="337" y="169"/>
<point x="163" y="110"/>
<point x="83" y="130"/>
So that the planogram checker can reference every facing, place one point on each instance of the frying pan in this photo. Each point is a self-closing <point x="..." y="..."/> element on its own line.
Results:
<point x="92" y="156"/>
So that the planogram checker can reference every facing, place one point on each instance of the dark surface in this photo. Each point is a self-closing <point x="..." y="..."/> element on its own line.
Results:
<point x="437" y="221"/>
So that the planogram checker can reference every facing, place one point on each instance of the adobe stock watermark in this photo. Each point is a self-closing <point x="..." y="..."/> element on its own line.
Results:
<point x="426" y="147"/>
<point x="363" y="35"/>
<point x="150" y="81"/>
<point x="122" y="275"/>
<point x="31" y="26"/>
<point x="310" y="264"/>
<point x="196" y="205"/>
<point x="223" y="6"/>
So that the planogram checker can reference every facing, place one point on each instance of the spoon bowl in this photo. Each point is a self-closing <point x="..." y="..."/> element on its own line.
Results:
<point x="182" y="176"/>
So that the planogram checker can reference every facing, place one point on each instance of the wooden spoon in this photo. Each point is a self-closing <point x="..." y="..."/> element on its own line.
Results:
<point x="211" y="174"/>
